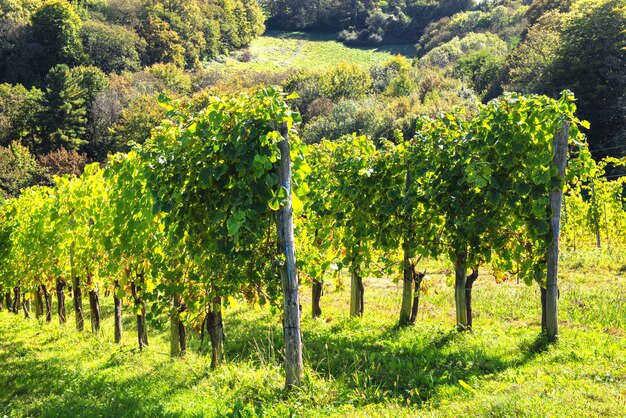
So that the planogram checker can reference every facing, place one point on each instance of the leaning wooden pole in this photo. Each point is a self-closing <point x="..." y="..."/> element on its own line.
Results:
<point x="288" y="272"/>
<point x="556" y="200"/>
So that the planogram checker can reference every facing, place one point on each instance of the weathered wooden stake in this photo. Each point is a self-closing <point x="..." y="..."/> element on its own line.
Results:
<point x="26" y="307"/>
<point x="17" y="300"/>
<point x="178" y="342"/>
<point x="594" y="203"/>
<point x="288" y="272"/>
<point x="215" y="329"/>
<point x="39" y="302"/>
<point x="357" y="303"/>
<point x="47" y="297"/>
<point x="556" y="199"/>
<point x="407" y="289"/>
<point x="61" y="300"/>
<point x="76" y="293"/>
<point x="317" y="288"/>
<point x="140" y="309"/>
<point x="94" y="310"/>
<point x="117" y="302"/>
<point x="460" y="268"/>
<point x="468" y="296"/>
<point x="8" y="301"/>
<point x="408" y="273"/>
<point x="174" y="336"/>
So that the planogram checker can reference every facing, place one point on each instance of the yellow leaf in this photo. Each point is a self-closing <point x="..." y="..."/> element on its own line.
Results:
<point x="466" y="386"/>
<point x="296" y="203"/>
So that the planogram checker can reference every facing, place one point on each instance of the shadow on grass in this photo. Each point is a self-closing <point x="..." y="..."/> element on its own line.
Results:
<point x="407" y="50"/>
<point x="366" y="364"/>
<point x="54" y="388"/>
<point x="532" y="349"/>
<point x="302" y="36"/>
<point x="375" y="366"/>
<point x="379" y="369"/>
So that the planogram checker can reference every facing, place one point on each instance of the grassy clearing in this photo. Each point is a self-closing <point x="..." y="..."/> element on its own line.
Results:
<point x="363" y="367"/>
<point x="278" y="51"/>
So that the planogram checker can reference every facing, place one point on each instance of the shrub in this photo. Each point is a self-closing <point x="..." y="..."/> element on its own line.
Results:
<point x="173" y="77"/>
<point x="346" y="81"/>
<point x="363" y="117"/>
<point x="62" y="161"/>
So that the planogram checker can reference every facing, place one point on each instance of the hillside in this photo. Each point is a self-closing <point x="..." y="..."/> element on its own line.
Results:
<point x="284" y="208"/>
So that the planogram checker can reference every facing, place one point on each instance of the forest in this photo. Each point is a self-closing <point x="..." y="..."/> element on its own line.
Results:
<point x="80" y="79"/>
<point x="420" y="229"/>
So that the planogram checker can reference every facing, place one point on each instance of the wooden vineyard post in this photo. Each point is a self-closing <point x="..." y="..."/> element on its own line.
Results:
<point x="407" y="288"/>
<point x="317" y="289"/>
<point x="356" y="291"/>
<point x="61" y="310"/>
<point x="556" y="199"/>
<point x="117" y="312"/>
<point x="460" y="286"/>
<point x="76" y="292"/>
<point x="287" y="271"/>
<point x="594" y="202"/>
<point x="174" y="328"/>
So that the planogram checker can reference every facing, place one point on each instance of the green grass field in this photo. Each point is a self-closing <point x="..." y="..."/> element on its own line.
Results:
<point x="354" y="367"/>
<point x="278" y="51"/>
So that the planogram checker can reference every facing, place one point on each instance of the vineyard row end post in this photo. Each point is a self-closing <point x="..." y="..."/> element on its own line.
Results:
<point x="288" y="272"/>
<point x="556" y="200"/>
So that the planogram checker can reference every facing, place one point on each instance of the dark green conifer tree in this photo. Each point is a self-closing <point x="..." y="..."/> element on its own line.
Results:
<point x="64" y="116"/>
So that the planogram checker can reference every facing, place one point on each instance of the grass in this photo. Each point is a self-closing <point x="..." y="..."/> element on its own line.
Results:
<point x="277" y="51"/>
<point x="354" y="367"/>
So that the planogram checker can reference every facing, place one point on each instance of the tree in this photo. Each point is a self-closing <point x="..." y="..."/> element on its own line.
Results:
<point x="347" y="205"/>
<point x="56" y="26"/>
<point x="495" y="194"/>
<point x="80" y="208"/>
<point x="18" y="113"/>
<point x="539" y="8"/>
<point x="112" y="48"/>
<point x="20" y="56"/>
<point x="346" y="81"/>
<point x="364" y="117"/>
<point x="448" y="54"/>
<point x="135" y="123"/>
<point x="480" y="69"/>
<point x="529" y="64"/>
<point x="590" y="61"/>
<point x="18" y="169"/>
<point x="92" y="81"/>
<point x="255" y="19"/>
<point x="163" y="44"/>
<point x="64" y="115"/>
<point x="506" y="21"/>
<point x="172" y="77"/>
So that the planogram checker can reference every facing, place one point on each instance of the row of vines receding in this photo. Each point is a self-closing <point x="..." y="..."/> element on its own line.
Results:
<point x="204" y="213"/>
